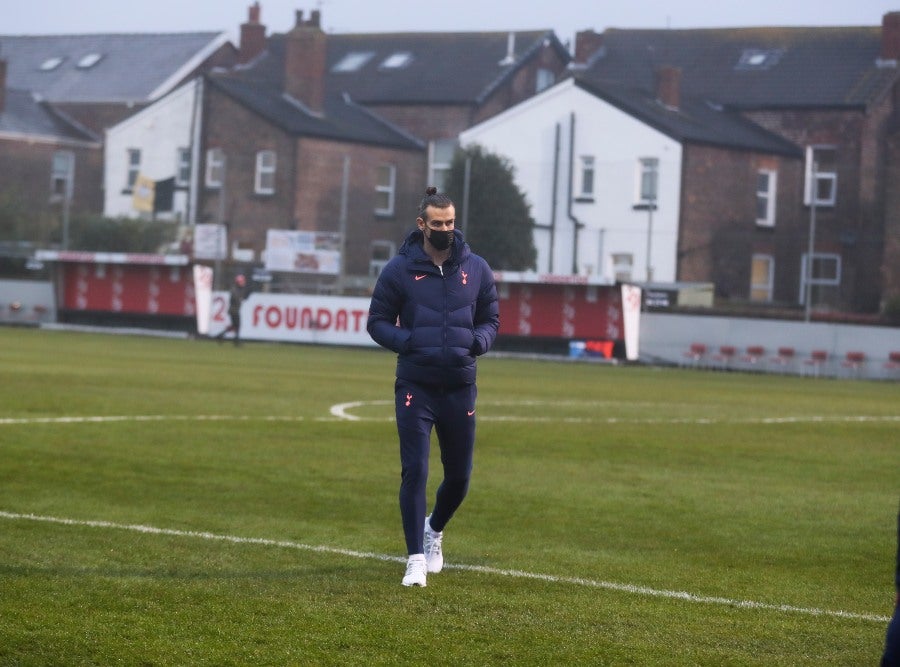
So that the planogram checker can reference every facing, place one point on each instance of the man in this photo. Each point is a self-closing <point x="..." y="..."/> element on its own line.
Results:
<point x="435" y="305"/>
<point x="236" y="298"/>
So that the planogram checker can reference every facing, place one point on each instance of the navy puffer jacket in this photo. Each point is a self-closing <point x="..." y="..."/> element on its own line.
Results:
<point x="437" y="319"/>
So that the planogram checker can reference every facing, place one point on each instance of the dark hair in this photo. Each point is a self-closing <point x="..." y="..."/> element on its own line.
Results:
<point x="432" y="198"/>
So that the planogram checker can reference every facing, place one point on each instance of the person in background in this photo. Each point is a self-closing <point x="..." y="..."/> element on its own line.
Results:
<point x="236" y="298"/>
<point x="435" y="305"/>
<point x="891" y="656"/>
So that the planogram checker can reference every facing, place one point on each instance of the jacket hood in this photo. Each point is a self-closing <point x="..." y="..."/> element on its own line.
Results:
<point x="414" y="250"/>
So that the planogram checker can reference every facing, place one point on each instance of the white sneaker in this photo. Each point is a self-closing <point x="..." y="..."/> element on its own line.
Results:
<point x="416" y="570"/>
<point x="433" y="554"/>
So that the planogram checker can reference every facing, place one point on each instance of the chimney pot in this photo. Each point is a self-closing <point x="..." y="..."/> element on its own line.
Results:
<point x="304" y="62"/>
<point x="890" y="36"/>
<point x="253" y="36"/>
<point x="668" y="86"/>
<point x="587" y="43"/>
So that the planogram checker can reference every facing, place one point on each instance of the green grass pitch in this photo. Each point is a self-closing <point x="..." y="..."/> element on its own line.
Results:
<point x="180" y="502"/>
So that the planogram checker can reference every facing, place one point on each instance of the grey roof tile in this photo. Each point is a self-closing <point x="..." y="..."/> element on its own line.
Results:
<point x="131" y="67"/>
<point x="24" y="115"/>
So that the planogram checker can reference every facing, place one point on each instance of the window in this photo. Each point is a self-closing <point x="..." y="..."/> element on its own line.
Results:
<point x="182" y="167"/>
<point x="821" y="176"/>
<point x="440" y="159"/>
<point x="386" y="177"/>
<point x="826" y="270"/>
<point x="381" y="253"/>
<point x="622" y="263"/>
<point x="51" y="63"/>
<point x="765" y="198"/>
<point x="352" y="61"/>
<point x="215" y="167"/>
<point x="762" y="276"/>
<point x="587" y="177"/>
<point x="62" y="175"/>
<point x="545" y="78"/>
<point x="396" y="60"/>
<point x="758" y="59"/>
<point x="648" y="180"/>
<point x="89" y="60"/>
<point x="134" y="167"/>
<point x="264" y="183"/>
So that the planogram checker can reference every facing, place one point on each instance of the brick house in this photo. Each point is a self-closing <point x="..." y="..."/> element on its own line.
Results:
<point x="50" y="169"/>
<point x="833" y="94"/>
<point x="300" y="106"/>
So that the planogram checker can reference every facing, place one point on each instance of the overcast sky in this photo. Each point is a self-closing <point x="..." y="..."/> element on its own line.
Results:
<point x="36" y="17"/>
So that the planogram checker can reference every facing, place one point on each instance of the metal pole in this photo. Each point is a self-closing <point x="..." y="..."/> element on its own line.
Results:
<point x="650" y="206"/>
<point x="342" y="222"/>
<point x="221" y="215"/>
<point x="812" y="242"/>
<point x="467" y="175"/>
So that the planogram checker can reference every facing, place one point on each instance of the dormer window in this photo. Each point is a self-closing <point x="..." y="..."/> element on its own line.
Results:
<point x="51" y="64"/>
<point x="396" y="60"/>
<point x="89" y="60"/>
<point x="353" y="61"/>
<point x="759" y="59"/>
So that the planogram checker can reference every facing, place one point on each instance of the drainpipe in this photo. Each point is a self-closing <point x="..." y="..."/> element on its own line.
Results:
<point x="576" y="223"/>
<point x="553" y="200"/>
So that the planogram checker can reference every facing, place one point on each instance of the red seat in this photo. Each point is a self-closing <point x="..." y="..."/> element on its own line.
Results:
<point x="696" y="353"/>
<point x="784" y="358"/>
<point x="754" y="354"/>
<point x="854" y="361"/>
<point x="725" y="355"/>
<point x="817" y="359"/>
<point x="893" y="362"/>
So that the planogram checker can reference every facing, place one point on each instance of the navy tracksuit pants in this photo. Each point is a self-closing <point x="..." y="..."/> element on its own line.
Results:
<point x="450" y="412"/>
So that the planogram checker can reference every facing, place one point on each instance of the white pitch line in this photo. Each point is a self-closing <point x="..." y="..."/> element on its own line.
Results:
<point x="519" y="574"/>
<point x="7" y="421"/>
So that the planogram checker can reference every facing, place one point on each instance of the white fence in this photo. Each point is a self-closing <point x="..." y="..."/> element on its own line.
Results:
<point x="845" y="350"/>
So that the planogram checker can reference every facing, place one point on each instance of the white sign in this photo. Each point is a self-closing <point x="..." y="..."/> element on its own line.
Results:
<point x="296" y="318"/>
<point x="303" y="252"/>
<point x="210" y="241"/>
<point x="631" y="318"/>
<point x="203" y="281"/>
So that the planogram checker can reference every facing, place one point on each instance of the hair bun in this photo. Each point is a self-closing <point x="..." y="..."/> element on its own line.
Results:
<point x="430" y="190"/>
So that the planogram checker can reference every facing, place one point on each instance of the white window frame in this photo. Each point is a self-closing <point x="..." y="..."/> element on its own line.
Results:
<point x="647" y="166"/>
<point x="834" y="279"/>
<point x="380" y="253"/>
<point x="768" y="195"/>
<point x="182" y="166"/>
<point x="765" y="289"/>
<point x="387" y="189"/>
<point x="623" y="265"/>
<point x="215" y="167"/>
<point x="62" y="175"/>
<point x="438" y="168"/>
<point x="264" y="181"/>
<point x="588" y="170"/>
<point x="133" y="161"/>
<point x="812" y="181"/>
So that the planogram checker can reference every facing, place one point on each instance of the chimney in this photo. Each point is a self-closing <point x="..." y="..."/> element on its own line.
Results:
<point x="587" y="43"/>
<point x="890" y="36"/>
<point x="253" y="36"/>
<point x="2" y="85"/>
<point x="668" y="86"/>
<point x="304" y="62"/>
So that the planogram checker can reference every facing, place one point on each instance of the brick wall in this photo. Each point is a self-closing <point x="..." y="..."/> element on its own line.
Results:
<point x="854" y="227"/>
<point x="718" y="232"/>
<point x="25" y="170"/>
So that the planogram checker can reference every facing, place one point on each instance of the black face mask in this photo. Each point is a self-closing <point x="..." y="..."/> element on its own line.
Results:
<point x="441" y="240"/>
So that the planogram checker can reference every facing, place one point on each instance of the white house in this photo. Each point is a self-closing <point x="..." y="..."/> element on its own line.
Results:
<point x="604" y="186"/>
<point x="148" y="158"/>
